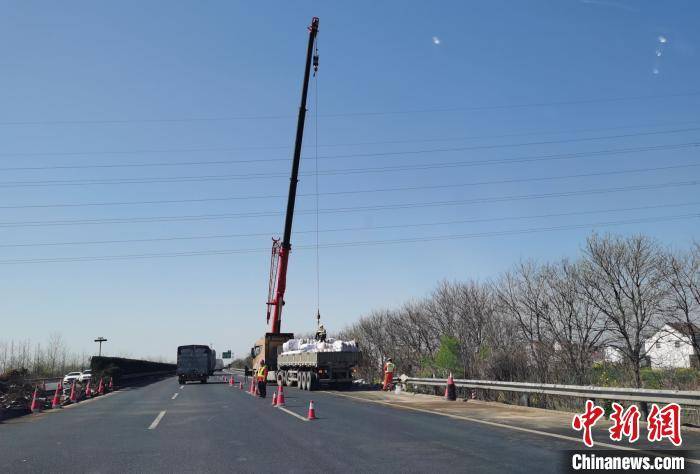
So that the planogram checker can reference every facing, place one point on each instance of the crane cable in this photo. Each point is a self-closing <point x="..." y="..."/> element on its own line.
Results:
<point x="318" y="269"/>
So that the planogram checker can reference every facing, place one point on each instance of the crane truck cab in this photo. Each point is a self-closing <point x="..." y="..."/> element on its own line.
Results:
<point x="266" y="348"/>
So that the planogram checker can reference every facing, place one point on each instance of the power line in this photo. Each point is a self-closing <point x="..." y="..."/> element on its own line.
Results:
<point x="343" y="156"/>
<point x="348" y="243"/>
<point x="513" y="106"/>
<point x="413" y="205"/>
<point x="232" y="148"/>
<point x="355" y="228"/>
<point x="346" y="171"/>
<point x="371" y="113"/>
<point x="359" y="191"/>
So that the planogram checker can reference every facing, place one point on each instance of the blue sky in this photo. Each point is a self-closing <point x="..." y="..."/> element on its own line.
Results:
<point x="88" y="86"/>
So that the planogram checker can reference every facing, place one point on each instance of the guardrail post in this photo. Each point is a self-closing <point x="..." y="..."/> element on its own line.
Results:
<point x="525" y="399"/>
<point x="644" y="407"/>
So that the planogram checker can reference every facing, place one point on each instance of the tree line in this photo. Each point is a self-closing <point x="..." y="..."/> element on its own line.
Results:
<point x="51" y="359"/>
<point x="543" y="322"/>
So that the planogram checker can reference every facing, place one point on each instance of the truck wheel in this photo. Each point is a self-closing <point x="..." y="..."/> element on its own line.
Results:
<point x="303" y="379"/>
<point x="279" y="377"/>
<point x="313" y="382"/>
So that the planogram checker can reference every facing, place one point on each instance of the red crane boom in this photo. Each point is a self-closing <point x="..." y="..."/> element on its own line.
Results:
<point x="281" y="250"/>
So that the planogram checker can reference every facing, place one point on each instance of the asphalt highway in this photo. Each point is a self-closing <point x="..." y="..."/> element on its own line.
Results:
<point x="166" y="427"/>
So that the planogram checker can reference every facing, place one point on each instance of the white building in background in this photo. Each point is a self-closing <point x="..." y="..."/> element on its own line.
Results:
<point x="613" y="354"/>
<point x="671" y="347"/>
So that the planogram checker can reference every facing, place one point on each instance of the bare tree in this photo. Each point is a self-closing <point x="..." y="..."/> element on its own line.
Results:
<point x="682" y="274"/>
<point x="575" y="325"/>
<point x="55" y="353"/>
<point x="474" y="326"/>
<point x="522" y="296"/>
<point x="624" y="280"/>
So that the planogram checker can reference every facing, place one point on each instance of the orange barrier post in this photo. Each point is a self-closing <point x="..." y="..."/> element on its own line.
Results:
<point x="280" y="396"/>
<point x="451" y="389"/>
<point x="56" y="402"/>
<point x="73" y="395"/>
<point x="35" y="403"/>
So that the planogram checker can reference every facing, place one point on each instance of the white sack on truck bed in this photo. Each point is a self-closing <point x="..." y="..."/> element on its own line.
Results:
<point x="296" y="346"/>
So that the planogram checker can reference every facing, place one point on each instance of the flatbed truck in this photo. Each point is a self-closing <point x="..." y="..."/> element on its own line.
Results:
<point x="306" y="370"/>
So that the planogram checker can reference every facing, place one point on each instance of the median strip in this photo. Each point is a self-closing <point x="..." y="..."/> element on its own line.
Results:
<point x="154" y="425"/>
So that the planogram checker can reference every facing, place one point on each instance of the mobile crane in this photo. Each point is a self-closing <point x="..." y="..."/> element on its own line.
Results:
<point x="308" y="371"/>
<point x="266" y="347"/>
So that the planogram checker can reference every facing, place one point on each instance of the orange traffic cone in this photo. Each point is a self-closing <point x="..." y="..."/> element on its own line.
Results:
<point x="88" y="390"/>
<point x="240" y="385"/>
<point x="230" y="381"/>
<point x="101" y="387"/>
<point x="111" y="384"/>
<point x="280" y="397"/>
<point x="35" y="403"/>
<point x="274" y="398"/>
<point x="56" y="402"/>
<point x="73" y="395"/>
<point x="451" y="389"/>
<point x="312" y="411"/>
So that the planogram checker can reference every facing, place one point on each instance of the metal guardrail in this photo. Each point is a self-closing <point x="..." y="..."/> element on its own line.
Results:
<point x="582" y="391"/>
<point x="146" y="374"/>
<point x="37" y="381"/>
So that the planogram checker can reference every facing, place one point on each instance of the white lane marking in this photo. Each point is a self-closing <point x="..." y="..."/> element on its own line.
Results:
<point x="500" y="425"/>
<point x="292" y="413"/>
<point x="175" y="396"/>
<point x="181" y="387"/>
<point x="154" y="425"/>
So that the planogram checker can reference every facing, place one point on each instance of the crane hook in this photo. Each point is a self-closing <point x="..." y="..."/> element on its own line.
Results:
<point x="315" y="62"/>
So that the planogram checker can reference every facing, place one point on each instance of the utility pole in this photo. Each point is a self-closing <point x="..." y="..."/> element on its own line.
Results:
<point x="100" y="340"/>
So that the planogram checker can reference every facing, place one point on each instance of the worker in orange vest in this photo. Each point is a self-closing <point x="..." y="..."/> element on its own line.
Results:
<point x="261" y="377"/>
<point x="389" y="368"/>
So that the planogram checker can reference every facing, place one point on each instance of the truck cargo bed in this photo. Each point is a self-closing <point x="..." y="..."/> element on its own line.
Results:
<point x="317" y="359"/>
